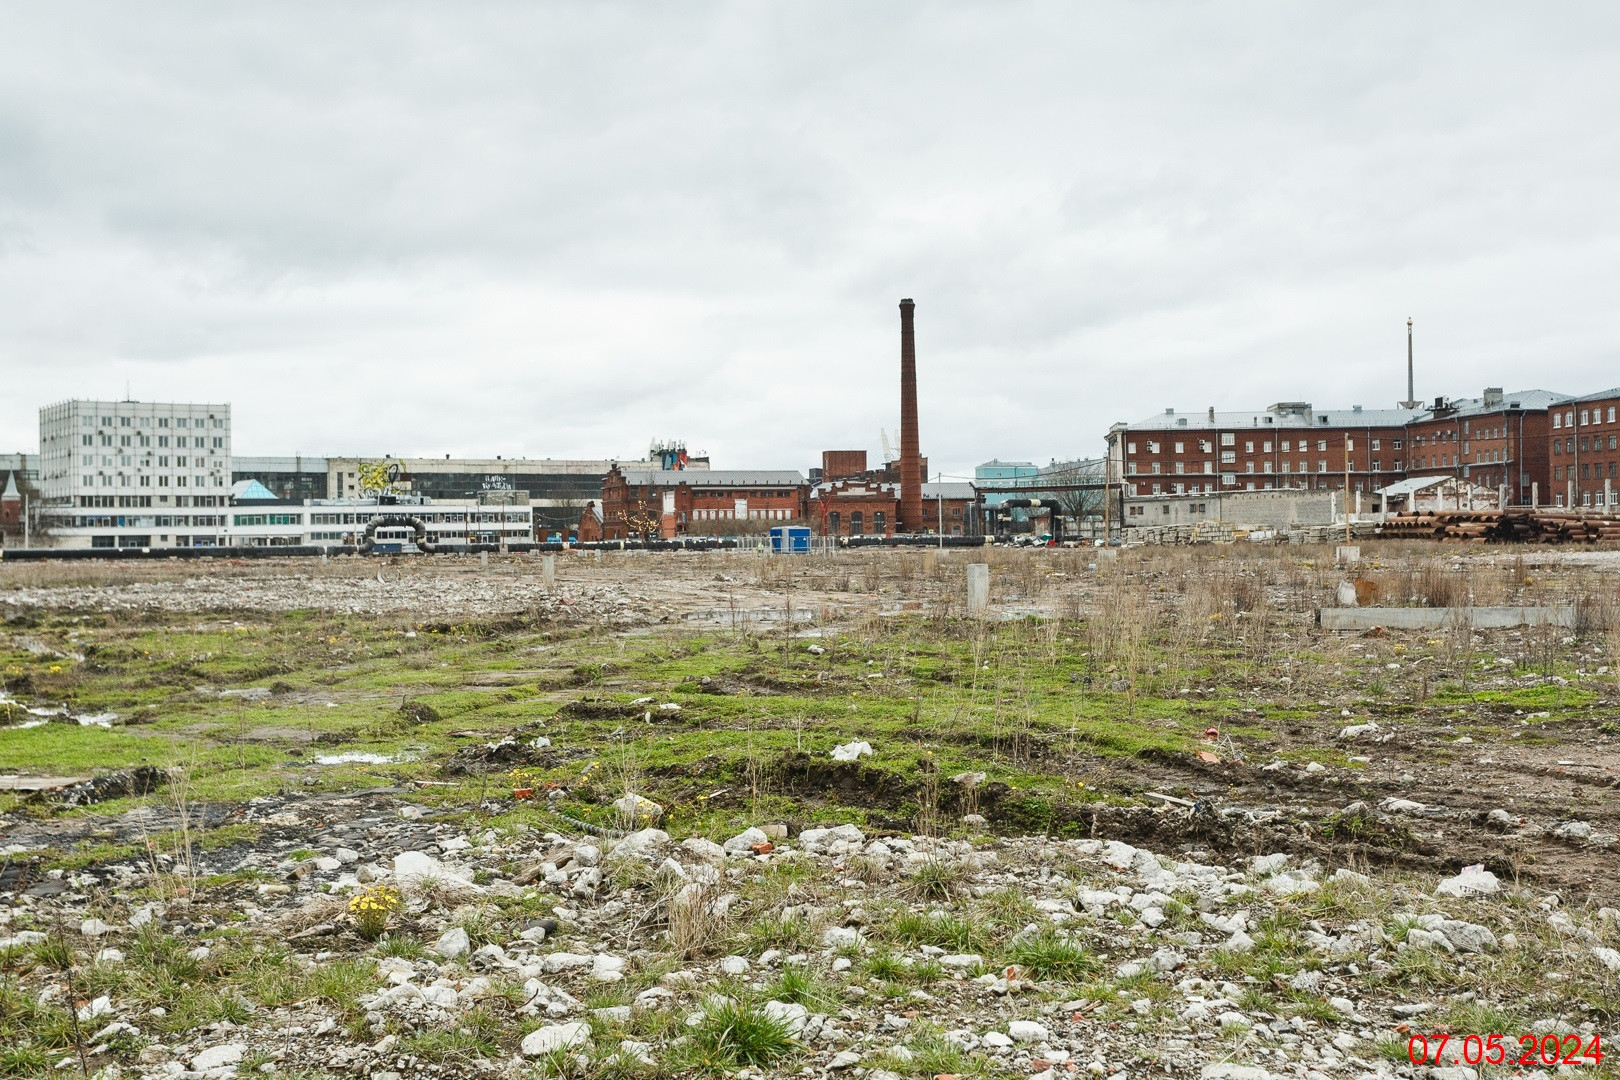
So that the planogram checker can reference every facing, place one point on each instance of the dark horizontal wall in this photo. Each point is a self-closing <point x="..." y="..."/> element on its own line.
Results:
<point x="294" y="486"/>
<point x="539" y="485"/>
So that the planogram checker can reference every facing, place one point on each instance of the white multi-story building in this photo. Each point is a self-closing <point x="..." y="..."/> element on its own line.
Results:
<point x="447" y="523"/>
<point x="134" y="473"/>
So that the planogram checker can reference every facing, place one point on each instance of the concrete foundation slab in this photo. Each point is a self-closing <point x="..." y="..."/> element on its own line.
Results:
<point x="1420" y="618"/>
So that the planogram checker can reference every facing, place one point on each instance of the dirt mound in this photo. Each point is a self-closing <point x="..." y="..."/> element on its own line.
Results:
<point x="591" y="709"/>
<point x="141" y="780"/>
<point x="419" y="712"/>
<point x="494" y="757"/>
<point x="851" y="782"/>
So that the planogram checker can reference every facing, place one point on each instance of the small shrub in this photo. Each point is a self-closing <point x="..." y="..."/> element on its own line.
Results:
<point x="803" y="986"/>
<point x="779" y="932"/>
<point x="371" y="908"/>
<point x="694" y="929"/>
<point x="732" y="1035"/>
<point x="1050" y="954"/>
<point x="944" y="931"/>
<point x="937" y="880"/>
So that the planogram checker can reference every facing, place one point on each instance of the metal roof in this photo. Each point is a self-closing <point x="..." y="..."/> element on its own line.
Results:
<point x="1524" y="399"/>
<point x="1601" y="395"/>
<point x="713" y="477"/>
<point x="1413" y="485"/>
<point x="1264" y="419"/>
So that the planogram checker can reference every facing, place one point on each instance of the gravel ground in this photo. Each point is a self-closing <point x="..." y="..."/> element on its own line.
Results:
<point x="1027" y="957"/>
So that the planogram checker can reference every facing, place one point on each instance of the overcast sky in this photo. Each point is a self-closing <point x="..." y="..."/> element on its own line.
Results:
<point x="560" y="230"/>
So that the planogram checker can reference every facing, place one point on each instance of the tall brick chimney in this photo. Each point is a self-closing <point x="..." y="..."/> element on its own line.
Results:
<point x="911" y="480"/>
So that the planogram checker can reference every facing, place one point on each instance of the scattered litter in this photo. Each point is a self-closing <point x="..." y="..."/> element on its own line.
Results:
<point x="358" y="758"/>
<point x="40" y="783"/>
<point x="851" y="751"/>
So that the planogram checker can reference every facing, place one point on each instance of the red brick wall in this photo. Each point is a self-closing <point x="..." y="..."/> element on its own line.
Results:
<point x="1584" y="450"/>
<point x="1493" y="448"/>
<point x="590" y="526"/>
<point x="1232" y="459"/>
<point x="833" y="510"/>
<point x="698" y="502"/>
<point x="842" y="464"/>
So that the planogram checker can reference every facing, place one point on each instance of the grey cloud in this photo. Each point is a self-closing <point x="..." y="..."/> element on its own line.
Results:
<point x="562" y="229"/>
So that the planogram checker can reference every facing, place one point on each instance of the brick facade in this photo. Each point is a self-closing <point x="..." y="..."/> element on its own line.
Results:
<point x="854" y="508"/>
<point x="1583" y="438"/>
<point x="1539" y="445"/>
<point x="868" y="506"/>
<point x="657" y="503"/>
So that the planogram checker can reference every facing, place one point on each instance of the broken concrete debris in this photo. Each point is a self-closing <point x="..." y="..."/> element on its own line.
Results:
<point x="1107" y="901"/>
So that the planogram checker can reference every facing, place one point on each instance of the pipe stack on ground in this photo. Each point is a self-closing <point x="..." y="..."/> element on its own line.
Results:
<point x="1511" y="526"/>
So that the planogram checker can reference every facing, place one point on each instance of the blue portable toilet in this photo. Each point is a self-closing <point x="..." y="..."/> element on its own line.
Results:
<point x="790" y="538"/>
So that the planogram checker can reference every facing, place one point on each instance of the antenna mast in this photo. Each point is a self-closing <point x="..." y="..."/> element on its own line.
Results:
<point x="1411" y="397"/>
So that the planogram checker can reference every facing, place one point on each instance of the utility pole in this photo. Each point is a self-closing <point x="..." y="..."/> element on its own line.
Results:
<point x="940" y="492"/>
<point x="1347" y="487"/>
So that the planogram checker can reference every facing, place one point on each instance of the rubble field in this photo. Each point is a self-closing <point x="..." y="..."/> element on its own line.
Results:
<point x="730" y="814"/>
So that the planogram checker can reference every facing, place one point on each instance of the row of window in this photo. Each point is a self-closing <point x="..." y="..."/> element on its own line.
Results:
<point x="731" y="515"/>
<point x="857" y="523"/>
<point x="1566" y="418"/>
<point x="427" y="517"/>
<point x="201" y="442"/>
<point x="1589" y="444"/>
<point x="127" y="461"/>
<point x="267" y="519"/>
<point x="1266" y="467"/>
<point x="123" y="480"/>
<point x="1230" y="480"/>
<point x="1227" y="439"/>
<point x="147" y="421"/>
<point x="142" y="521"/>
<point x="1588" y="472"/>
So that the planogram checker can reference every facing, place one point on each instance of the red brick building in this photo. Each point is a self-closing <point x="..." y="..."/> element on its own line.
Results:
<point x="669" y="503"/>
<point x="1289" y="445"/>
<point x="1496" y="440"/>
<point x="842" y="464"/>
<point x="590" y="524"/>
<point x="868" y="506"/>
<point x="1541" y="446"/>
<point x="10" y="503"/>
<point x="1584" y="444"/>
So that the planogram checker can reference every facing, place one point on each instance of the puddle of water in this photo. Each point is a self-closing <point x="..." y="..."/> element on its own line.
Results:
<point x="46" y="715"/>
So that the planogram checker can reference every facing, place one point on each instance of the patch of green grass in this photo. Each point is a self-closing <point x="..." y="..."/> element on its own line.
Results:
<point x="462" y="1044"/>
<point x="802" y="985"/>
<point x="402" y="945"/>
<point x="778" y="932"/>
<point x="1007" y="907"/>
<point x="1051" y="954"/>
<point x="943" y="930"/>
<point x="732" y="1034"/>
<point x="937" y="879"/>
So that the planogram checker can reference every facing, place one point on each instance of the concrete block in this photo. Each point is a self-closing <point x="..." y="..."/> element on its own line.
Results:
<point x="978" y="589"/>
<point x="1347" y="554"/>
<point x="1420" y="618"/>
